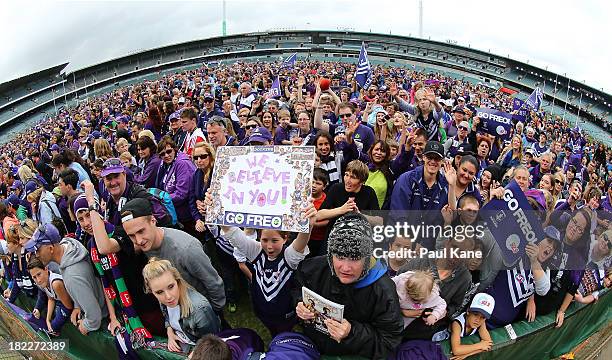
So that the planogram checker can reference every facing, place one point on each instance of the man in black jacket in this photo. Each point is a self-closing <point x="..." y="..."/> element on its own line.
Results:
<point x="349" y="275"/>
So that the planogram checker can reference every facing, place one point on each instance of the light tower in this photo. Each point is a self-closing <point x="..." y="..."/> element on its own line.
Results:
<point x="224" y="24"/>
<point x="421" y="19"/>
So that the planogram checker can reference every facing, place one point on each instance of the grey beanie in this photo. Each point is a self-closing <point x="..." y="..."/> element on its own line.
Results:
<point x="351" y="238"/>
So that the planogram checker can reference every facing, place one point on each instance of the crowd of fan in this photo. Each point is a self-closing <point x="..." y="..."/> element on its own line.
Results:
<point x="103" y="218"/>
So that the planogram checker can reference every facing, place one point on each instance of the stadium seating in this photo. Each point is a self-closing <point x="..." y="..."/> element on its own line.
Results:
<point x="37" y="94"/>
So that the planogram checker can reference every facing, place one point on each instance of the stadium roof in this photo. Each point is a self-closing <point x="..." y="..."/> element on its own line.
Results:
<point x="52" y="71"/>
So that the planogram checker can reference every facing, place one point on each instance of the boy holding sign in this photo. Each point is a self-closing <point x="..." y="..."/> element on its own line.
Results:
<point x="273" y="265"/>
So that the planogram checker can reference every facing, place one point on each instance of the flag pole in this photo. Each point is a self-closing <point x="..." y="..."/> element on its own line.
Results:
<point x="579" y="106"/>
<point x="552" y="106"/>
<point x="566" y="97"/>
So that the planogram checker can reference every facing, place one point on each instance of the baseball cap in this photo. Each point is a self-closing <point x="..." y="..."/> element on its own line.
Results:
<point x="434" y="147"/>
<point x="30" y="187"/>
<point x="260" y="134"/>
<point x="465" y="124"/>
<point x="538" y="196"/>
<point x="174" y="115"/>
<point x="136" y="208"/>
<point x="483" y="304"/>
<point x="208" y="96"/>
<point x="551" y="232"/>
<point x="460" y="98"/>
<point x="46" y="234"/>
<point x="465" y="149"/>
<point x="459" y="109"/>
<point x="112" y="166"/>
<point x="55" y="147"/>
<point x="181" y="100"/>
<point x="530" y="151"/>
<point x="16" y="185"/>
<point x="13" y="200"/>
<point x="96" y="134"/>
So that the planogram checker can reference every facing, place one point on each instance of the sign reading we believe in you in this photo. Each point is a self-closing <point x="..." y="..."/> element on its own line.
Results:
<point x="263" y="187"/>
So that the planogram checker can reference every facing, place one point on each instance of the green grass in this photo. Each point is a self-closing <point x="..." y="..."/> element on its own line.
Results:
<point x="244" y="317"/>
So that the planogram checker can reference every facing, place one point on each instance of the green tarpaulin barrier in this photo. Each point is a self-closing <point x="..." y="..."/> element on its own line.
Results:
<point x="537" y="340"/>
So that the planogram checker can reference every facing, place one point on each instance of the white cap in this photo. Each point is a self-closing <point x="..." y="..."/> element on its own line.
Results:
<point x="483" y="304"/>
<point x="181" y="100"/>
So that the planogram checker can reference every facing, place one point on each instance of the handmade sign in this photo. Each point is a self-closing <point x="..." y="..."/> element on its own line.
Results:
<point x="263" y="187"/>
<point x="512" y="223"/>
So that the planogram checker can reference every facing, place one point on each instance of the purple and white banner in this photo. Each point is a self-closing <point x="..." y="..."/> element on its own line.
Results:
<point x="512" y="223"/>
<point x="495" y="122"/>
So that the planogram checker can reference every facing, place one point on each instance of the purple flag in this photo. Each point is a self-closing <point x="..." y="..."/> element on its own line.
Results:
<point x="518" y="104"/>
<point x="275" y="90"/>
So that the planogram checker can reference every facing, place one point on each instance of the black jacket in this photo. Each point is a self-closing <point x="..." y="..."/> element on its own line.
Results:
<point x="373" y="311"/>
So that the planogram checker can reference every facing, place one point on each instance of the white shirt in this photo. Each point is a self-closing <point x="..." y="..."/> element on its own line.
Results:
<point x="174" y="315"/>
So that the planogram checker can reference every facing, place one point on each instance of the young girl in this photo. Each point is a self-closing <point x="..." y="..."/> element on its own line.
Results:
<point x="16" y="236"/>
<point x="273" y="265"/>
<point x="420" y="301"/>
<point x="469" y="323"/>
<point x="188" y="314"/>
<point x="51" y="287"/>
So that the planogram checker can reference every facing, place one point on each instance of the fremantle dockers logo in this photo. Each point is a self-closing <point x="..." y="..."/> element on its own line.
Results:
<point x="364" y="66"/>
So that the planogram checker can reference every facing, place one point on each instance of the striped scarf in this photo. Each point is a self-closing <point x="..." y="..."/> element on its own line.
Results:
<point x="107" y="267"/>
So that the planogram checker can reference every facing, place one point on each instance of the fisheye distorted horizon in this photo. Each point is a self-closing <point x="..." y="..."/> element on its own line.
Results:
<point x="561" y="36"/>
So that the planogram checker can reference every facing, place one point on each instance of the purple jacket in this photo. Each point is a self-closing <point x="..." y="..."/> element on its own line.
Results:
<point x="149" y="173"/>
<point x="176" y="181"/>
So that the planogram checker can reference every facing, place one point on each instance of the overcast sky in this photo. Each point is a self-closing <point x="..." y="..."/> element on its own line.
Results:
<point x="568" y="36"/>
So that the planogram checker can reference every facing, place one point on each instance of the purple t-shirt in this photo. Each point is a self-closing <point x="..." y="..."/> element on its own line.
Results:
<point x="363" y="135"/>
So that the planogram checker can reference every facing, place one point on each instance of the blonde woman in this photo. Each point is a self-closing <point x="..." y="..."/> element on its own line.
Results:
<point x="188" y="315"/>
<point x="122" y="145"/>
<point x="22" y="280"/>
<point x="512" y="155"/>
<point x="204" y="159"/>
<point x="44" y="207"/>
<point x="27" y="174"/>
<point x="102" y="149"/>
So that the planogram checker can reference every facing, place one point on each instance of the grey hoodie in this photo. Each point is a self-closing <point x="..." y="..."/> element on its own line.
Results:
<point x="82" y="285"/>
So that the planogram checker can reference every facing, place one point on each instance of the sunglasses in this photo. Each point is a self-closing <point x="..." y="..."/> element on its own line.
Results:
<point x="167" y="152"/>
<point x="342" y="116"/>
<point x="463" y="128"/>
<point x="198" y="157"/>
<point x="208" y="100"/>
<point x="250" y="127"/>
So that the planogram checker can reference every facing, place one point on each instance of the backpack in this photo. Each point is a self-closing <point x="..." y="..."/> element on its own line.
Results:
<point x="165" y="199"/>
<point x="56" y="220"/>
